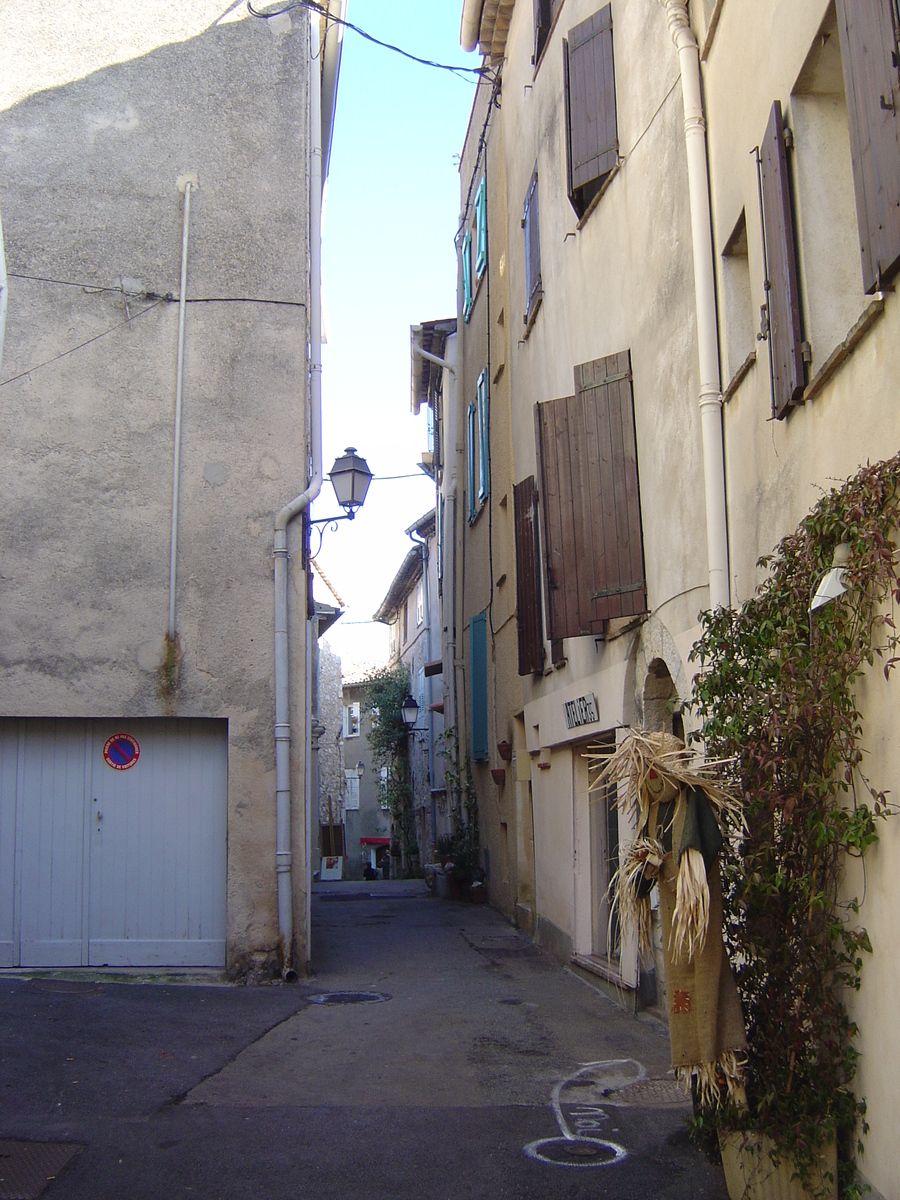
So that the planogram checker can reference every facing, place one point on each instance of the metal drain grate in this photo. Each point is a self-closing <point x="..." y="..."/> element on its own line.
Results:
<point x="348" y="998"/>
<point x="27" y="1167"/>
<point x="650" y="1093"/>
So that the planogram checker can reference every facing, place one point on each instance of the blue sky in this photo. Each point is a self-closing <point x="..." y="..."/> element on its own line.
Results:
<point x="388" y="262"/>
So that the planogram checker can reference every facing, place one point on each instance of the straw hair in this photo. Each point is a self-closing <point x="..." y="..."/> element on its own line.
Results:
<point x="690" y="919"/>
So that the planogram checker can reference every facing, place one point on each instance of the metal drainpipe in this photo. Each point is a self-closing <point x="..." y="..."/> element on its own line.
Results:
<point x="287" y="514"/>
<point x="4" y="291"/>
<point x="705" y="297"/>
<point x="179" y="392"/>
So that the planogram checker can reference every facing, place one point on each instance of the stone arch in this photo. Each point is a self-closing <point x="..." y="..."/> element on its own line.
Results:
<point x="660" y="680"/>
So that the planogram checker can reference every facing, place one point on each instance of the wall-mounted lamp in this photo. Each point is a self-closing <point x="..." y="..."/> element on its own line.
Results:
<point x="350" y="477"/>
<point x="831" y="585"/>
<point x="409" y="712"/>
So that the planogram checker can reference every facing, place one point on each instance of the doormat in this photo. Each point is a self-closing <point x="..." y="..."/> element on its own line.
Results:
<point x="27" y="1167"/>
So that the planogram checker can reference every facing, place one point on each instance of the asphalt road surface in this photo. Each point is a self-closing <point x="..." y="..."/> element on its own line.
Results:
<point x="434" y="1054"/>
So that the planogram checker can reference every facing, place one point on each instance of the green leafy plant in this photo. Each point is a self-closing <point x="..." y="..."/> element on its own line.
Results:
<point x="388" y="737"/>
<point x="465" y="843"/>
<point x="777" y="692"/>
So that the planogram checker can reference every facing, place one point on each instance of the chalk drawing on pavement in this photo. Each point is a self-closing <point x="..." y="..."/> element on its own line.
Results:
<point x="577" y="1104"/>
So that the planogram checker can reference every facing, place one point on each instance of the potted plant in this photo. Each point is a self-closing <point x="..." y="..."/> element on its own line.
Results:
<point x="776" y="692"/>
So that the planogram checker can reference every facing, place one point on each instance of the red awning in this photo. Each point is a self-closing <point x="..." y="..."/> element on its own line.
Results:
<point x="374" y="841"/>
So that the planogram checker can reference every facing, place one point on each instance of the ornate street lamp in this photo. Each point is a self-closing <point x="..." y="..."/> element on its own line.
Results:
<point x="350" y="477"/>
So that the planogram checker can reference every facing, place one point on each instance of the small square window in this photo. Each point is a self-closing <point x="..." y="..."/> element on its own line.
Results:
<point x="351" y="719"/>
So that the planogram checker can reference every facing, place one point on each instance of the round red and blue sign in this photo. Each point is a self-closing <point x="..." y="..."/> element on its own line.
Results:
<point x="121" y="751"/>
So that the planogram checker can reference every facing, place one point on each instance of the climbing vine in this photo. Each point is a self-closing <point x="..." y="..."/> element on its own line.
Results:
<point x="386" y="689"/>
<point x="777" y="692"/>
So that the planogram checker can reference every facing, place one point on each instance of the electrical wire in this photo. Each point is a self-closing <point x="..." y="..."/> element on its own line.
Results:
<point x="482" y="147"/>
<point x="81" y="345"/>
<point x="460" y="72"/>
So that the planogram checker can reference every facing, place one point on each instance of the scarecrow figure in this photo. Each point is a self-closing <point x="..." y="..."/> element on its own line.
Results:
<point x="676" y="848"/>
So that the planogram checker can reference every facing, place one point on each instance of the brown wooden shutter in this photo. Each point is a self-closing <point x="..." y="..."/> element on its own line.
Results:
<point x="591" y="503"/>
<point x="788" y="367"/>
<point x="613" y="541"/>
<point x="532" y="226"/>
<point x="541" y="26"/>
<point x="528" y="582"/>
<point x="592" y="141"/>
<point x="870" y="58"/>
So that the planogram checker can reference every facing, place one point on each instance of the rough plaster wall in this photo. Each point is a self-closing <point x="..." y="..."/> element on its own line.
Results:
<point x="331" y="757"/>
<point x="134" y="97"/>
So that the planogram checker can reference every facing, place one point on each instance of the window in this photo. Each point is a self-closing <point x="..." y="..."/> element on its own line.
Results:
<point x="467" y="274"/>
<point x="783" y="291"/>
<point x="822" y="174"/>
<point x="351" y="792"/>
<point x="481" y="250"/>
<point x="420" y="601"/>
<point x="393" y="631"/>
<point x="870" y="56"/>
<point x="478" y="676"/>
<point x="531" y="224"/>
<point x="528" y="580"/>
<point x="739" y="335"/>
<point x="404" y="621"/>
<point x="593" y="546"/>
<point x="351" y="719"/>
<point x="592" y="140"/>
<point x="544" y="15"/>
<point x="484" y="457"/>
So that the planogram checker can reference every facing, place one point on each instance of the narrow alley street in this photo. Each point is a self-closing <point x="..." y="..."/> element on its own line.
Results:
<point x="435" y="1053"/>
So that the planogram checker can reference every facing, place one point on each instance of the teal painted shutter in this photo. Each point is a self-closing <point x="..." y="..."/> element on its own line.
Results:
<point x="484" y="485"/>
<point x="471" y="439"/>
<point x="478" y="650"/>
<point x="481" y="229"/>
<point x="467" y="274"/>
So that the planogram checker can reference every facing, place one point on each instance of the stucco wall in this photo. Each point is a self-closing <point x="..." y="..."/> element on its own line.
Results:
<point x="132" y="98"/>
<point x="776" y="470"/>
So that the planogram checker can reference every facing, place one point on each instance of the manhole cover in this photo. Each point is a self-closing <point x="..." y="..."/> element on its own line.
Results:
<point x="349" y="998"/>
<point x="27" y="1167"/>
<point x="575" y="1152"/>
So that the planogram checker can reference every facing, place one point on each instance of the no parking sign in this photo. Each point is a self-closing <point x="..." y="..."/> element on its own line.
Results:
<point x="121" y="751"/>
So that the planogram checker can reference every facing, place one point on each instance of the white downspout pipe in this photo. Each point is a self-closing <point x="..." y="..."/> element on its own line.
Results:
<point x="179" y="392"/>
<point x="705" y="297"/>
<point x="433" y="358"/>
<point x="287" y="514"/>
<point x="4" y="291"/>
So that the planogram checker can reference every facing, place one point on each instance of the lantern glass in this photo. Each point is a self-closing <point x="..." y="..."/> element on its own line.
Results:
<point x="350" y="477"/>
<point x="409" y="711"/>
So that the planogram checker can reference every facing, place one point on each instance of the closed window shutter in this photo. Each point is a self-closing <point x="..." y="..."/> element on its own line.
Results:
<point x="789" y="369"/>
<point x="478" y="655"/>
<point x="532" y="226"/>
<point x="467" y="274"/>
<point x="592" y="140"/>
<point x="591" y="501"/>
<point x="471" y="450"/>
<point x="528" y="583"/>
<point x="484" y="457"/>
<point x="868" y="36"/>
<point x="481" y="229"/>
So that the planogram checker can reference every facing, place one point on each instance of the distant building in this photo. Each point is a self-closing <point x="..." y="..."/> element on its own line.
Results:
<point x="366" y="821"/>
<point x="412" y="610"/>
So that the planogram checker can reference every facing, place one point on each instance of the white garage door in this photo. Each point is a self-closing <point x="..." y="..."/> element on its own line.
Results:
<point x="113" y="842"/>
